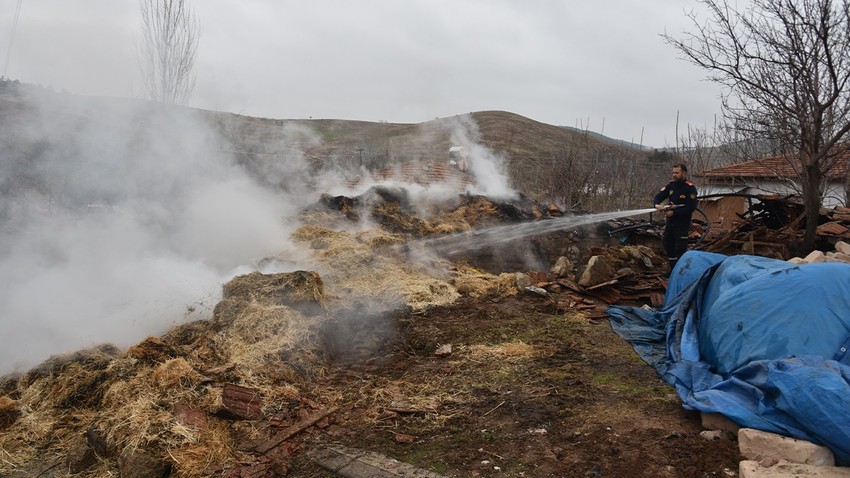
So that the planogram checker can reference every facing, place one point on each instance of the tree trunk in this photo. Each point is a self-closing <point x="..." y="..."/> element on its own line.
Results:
<point x="847" y="188"/>
<point x="811" y="201"/>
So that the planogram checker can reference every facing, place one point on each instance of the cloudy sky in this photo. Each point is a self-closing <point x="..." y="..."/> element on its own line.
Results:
<point x="564" y="62"/>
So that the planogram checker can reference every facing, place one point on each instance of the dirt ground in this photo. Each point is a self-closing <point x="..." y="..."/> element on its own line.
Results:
<point x="527" y="391"/>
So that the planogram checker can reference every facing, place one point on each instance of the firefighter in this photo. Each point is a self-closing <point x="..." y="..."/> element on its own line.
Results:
<point x="681" y="197"/>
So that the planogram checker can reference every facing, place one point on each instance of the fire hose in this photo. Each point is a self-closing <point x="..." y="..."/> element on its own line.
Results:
<point x="669" y="207"/>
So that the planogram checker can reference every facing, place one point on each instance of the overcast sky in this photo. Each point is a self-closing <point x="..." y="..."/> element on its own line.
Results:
<point x="563" y="62"/>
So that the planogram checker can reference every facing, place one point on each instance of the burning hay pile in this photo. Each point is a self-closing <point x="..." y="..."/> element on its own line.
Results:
<point x="211" y="397"/>
<point x="169" y="402"/>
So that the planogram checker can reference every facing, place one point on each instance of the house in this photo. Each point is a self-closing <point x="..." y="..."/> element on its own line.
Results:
<point x="458" y="157"/>
<point x="728" y="191"/>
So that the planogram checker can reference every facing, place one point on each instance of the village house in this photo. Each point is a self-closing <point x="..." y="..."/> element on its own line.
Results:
<point x="728" y="191"/>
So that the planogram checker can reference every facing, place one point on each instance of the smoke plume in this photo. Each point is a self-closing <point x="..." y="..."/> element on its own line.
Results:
<point x="121" y="219"/>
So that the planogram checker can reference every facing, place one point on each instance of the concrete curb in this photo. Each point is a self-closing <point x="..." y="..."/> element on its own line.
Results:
<point x="354" y="463"/>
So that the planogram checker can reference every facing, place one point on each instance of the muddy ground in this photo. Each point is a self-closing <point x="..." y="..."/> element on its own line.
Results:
<point x="528" y="390"/>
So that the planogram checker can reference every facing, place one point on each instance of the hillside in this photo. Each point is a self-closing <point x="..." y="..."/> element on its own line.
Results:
<point x="515" y="136"/>
<point x="543" y="161"/>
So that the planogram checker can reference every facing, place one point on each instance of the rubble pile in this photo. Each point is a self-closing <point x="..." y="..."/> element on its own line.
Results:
<point x="774" y="228"/>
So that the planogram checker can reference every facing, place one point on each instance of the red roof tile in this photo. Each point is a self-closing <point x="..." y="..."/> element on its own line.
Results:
<point x="772" y="167"/>
<point x="424" y="173"/>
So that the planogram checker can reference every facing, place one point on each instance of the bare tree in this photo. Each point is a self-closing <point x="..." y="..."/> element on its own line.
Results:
<point x="167" y="55"/>
<point x="786" y="67"/>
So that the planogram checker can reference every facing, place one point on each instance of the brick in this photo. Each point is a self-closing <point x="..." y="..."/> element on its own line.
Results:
<point x="353" y="463"/>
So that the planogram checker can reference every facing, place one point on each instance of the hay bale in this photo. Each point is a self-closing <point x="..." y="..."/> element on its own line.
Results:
<point x="175" y="373"/>
<point x="79" y="387"/>
<point x="261" y="339"/>
<point x="394" y="219"/>
<point x="381" y="240"/>
<point x="309" y="232"/>
<point x="302" y="290"/>
<point x="356" y="270"/>
<point x="506" y="284"/>
<point x="421" y="294"/>
<point x="214" y="447"/>
<point x="152" y="350"/>
<point x="452" y="227"/>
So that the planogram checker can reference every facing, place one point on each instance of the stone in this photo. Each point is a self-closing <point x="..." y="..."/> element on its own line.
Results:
<point x="80" y="456"/>
<point x="597" y="271"/>
<point x="842" y="247"/>
<point x="840" y="256"/>
<point x="563" y="267"/>
<point x="784" y="469"/>
<point x="537" y="291"/>
<point x="443" y="350"/>
<point x="758" y="445"/>
<point x="716" y="421"/>
<point x="815" y="257"/>
<point x="712" y="435"/>
<point x="353" y="463"/>
<point x="136" y="464"/>
<point x="797" y="260"/>
<point x="522" y="280"/>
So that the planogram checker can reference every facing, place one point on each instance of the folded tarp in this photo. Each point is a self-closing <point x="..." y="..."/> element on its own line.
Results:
<point x="759" y="340"/>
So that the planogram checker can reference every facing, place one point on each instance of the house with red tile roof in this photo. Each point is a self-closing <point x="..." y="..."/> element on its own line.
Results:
<point x="774" y="175"/>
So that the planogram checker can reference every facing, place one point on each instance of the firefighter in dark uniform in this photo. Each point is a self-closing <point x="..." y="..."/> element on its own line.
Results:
<point x="682" y="194"/>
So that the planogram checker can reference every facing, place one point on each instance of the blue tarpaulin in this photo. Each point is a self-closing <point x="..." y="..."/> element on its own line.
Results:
<point x="759" y="340"/>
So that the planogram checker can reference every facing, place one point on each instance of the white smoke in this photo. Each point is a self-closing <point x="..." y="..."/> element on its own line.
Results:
<point x="488" y="167"/>
<point x="122" y="218"/>
<point x="127" y="222"/>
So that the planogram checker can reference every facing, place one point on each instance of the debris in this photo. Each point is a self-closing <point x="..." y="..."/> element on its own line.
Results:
<point x="404" y="406"/>
<point x="443" y="350"/>
<point x="597" y="271"/>
<point x="537" y="291"/>
<point x="241" y="402"/>
<point x="293" y="430"/>
<point x="562" y="268"/>
<point x="494" y="408"/>
<point x="343" y="461"/>
<point x="190" y="417"/>
<point x="138" y="463"/>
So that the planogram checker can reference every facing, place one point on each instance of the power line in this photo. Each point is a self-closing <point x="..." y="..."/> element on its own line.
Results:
<point x="12" y="39"/>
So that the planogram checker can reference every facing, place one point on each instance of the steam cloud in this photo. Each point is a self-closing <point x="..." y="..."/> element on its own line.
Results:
<point x="127" y="222"/>
<point x="487" y="167"/>
<point x="121" y="219"/>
